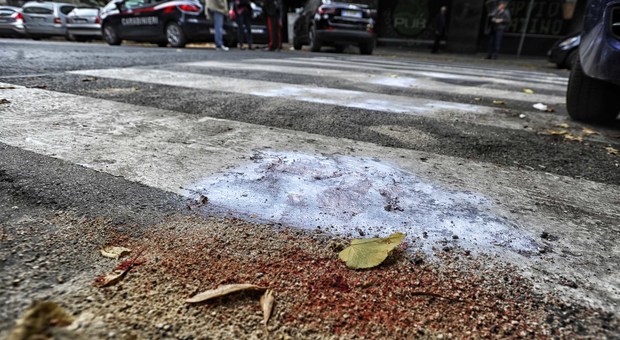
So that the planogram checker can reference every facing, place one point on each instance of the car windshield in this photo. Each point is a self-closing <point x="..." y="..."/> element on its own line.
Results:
<point x="38" y="10"/>
<point x="86" y="11"/>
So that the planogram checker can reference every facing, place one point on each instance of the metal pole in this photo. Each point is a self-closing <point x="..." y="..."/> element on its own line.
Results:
<point x="527" y="22"/>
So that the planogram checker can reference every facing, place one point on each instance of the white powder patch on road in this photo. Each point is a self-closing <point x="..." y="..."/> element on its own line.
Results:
<point x="361" y="197"/>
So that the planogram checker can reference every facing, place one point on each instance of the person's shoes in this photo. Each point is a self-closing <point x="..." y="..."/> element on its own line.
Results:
<point x="222" y="48"/>
<point x="268" y="49"/>
<point x="241" y="47"/>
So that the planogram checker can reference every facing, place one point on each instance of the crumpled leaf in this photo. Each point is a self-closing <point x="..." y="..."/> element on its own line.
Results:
<point x="38" y="321"/>
<point x="368" y="253"/>
<point x="586" y="132"/>
<point x="563" y="126"/>
<point x="119" y="272"/>
<point x="573" y="137"/>
<point x="612" y="151"/>
<point x="266" y="303"/>
<point x="114" y="252"/>
<point x="556" y="132"/>
<point x="4" y="101"/>
<point x="499" y="102"/>
<point x="528" y="91"/>
<point x="222" y="291"/>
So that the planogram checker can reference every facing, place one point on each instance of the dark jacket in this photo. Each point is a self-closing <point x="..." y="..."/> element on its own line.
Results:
<point x="500" y="20"/>
<point x="272" y="8"/>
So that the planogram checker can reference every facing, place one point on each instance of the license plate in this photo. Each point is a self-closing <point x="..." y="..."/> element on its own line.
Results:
<point x="258" y="30"/>
<point x="38" y="19"/>
<point x="352" y="14"/>
<point x="79" y="20"/>
<point x="4" y="20"/>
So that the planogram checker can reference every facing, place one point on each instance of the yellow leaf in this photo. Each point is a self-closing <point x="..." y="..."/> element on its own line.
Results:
<point x="38" y="319"/>
<point x="563" y="126"/>
<point x="393" y="76"/>
<point x="612" y="151"/>
<point x="114" y="252"/>
<point x="556" y="132"/>
<point x="222" y="291"/>
<point x="528" y="91"/>
<point x="499" y="102"/>
<point x="573" y="137"/>
<point x="368" y="253"/>
<point x="266" y="303"/>
<point x="587" y="132"/>
<point x="112" y="278"/>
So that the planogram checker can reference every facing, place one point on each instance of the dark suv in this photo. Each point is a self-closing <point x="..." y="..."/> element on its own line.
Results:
<point x="594" y="87"/>
<point x="338" y="24"/>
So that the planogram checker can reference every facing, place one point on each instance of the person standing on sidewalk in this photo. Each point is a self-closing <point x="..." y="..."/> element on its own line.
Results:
<point x="439" y="28"/>
<point x="500" y="19"/>
<point x="218" y="10"/>
<point x="272" y="9"/>
<point x="243" y="13"/>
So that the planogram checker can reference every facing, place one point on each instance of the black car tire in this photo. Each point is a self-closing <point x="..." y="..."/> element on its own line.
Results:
<point x="315" y="45"/>
<point x="572" y="58"/>
<point x="110" y="36"/>
<point x="591" y="100"/>
<point x="366" y="48"/>
<point x="175" y="35"/>
<point x="296" y="44"/>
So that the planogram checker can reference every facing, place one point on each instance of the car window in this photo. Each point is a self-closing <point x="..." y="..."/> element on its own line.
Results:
<point x="38" y="10"/>
<point x="134" y="4"/>
<point x="6" y="12"/>
<point x="66" y="9"/>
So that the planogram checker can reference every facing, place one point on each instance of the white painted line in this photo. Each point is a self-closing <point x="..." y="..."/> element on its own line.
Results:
<point x="312" y="94"/>
<point x="187" y="154"/>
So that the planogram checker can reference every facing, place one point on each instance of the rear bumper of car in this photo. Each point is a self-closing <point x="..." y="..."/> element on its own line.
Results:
<point x="12" y="29"/>
<point x="93" y="30"/>
<point x="46" y="30"/>
<point x="336" y="36"/>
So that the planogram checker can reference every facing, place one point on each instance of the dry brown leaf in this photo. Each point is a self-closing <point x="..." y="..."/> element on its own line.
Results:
<point x="563" y="126"/>
<point x="556" y="132"/>
<point x="573" y="137"/>
<point x="38" y="320"/>
<point x="119" y="272"/>
<point x="7" y="87"/>
<point x="266" y="303"/>
<point x="586" y="132"/>
<point x="4" y="101"/>
<point x="612" y="151"/>
<point x="222" y="291"/>
<point x="114" y="252"/>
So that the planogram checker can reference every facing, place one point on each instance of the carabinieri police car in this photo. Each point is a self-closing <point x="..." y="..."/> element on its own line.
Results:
<point x="162" y="22"/>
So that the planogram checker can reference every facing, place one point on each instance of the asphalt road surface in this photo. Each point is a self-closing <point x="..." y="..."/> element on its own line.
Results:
<point x="448" y="149"/>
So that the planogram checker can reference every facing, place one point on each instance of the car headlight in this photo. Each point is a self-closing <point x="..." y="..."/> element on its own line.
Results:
<point x="570" y="42"/>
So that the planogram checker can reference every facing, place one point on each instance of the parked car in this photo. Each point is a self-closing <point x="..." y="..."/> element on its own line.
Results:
<point x="45" y="18"/>
<point x="11" y="22"/>
<point x="565" y="51"/>
<point x="260" y="32"/>
<point x="594" y="82"/>
<point x="338" y="24"/>
<point x="84" y="24"/>
<point x="168" y="22"/>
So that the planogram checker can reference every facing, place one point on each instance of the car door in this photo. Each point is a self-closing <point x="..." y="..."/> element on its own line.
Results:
<point x="142" y="19"/>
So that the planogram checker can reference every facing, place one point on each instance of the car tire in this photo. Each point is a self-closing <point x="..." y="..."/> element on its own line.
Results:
<point x="571" y="59"/>
<point x="591" y="100"/>
<point x="175" y="35"/>
<point x="367" y="48"/>
<point x="315" y="45"/>
<point x="110" y="36"/>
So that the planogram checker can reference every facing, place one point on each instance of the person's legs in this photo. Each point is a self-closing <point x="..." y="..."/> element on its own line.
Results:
<point x="247" y="23"/>
<point x="499" y="35"/>
<point x="218" y="23"/>
<point x="491" y="45"/>
<point x="240" y="30"/>
<point x="272" y="32"/>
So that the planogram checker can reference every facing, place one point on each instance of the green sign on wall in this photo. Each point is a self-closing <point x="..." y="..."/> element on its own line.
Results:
<point x="409" y="17"/>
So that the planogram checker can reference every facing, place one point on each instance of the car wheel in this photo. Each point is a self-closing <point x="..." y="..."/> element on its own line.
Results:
<point x="315" y="45"/>
<point x="110" y="36"/>
<point x="175" y="35"/>
<point x="367" y="48"/>
<point x="591" y="100"/>
<point x="296" y="44"/>
<point x="571" y="59"/>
